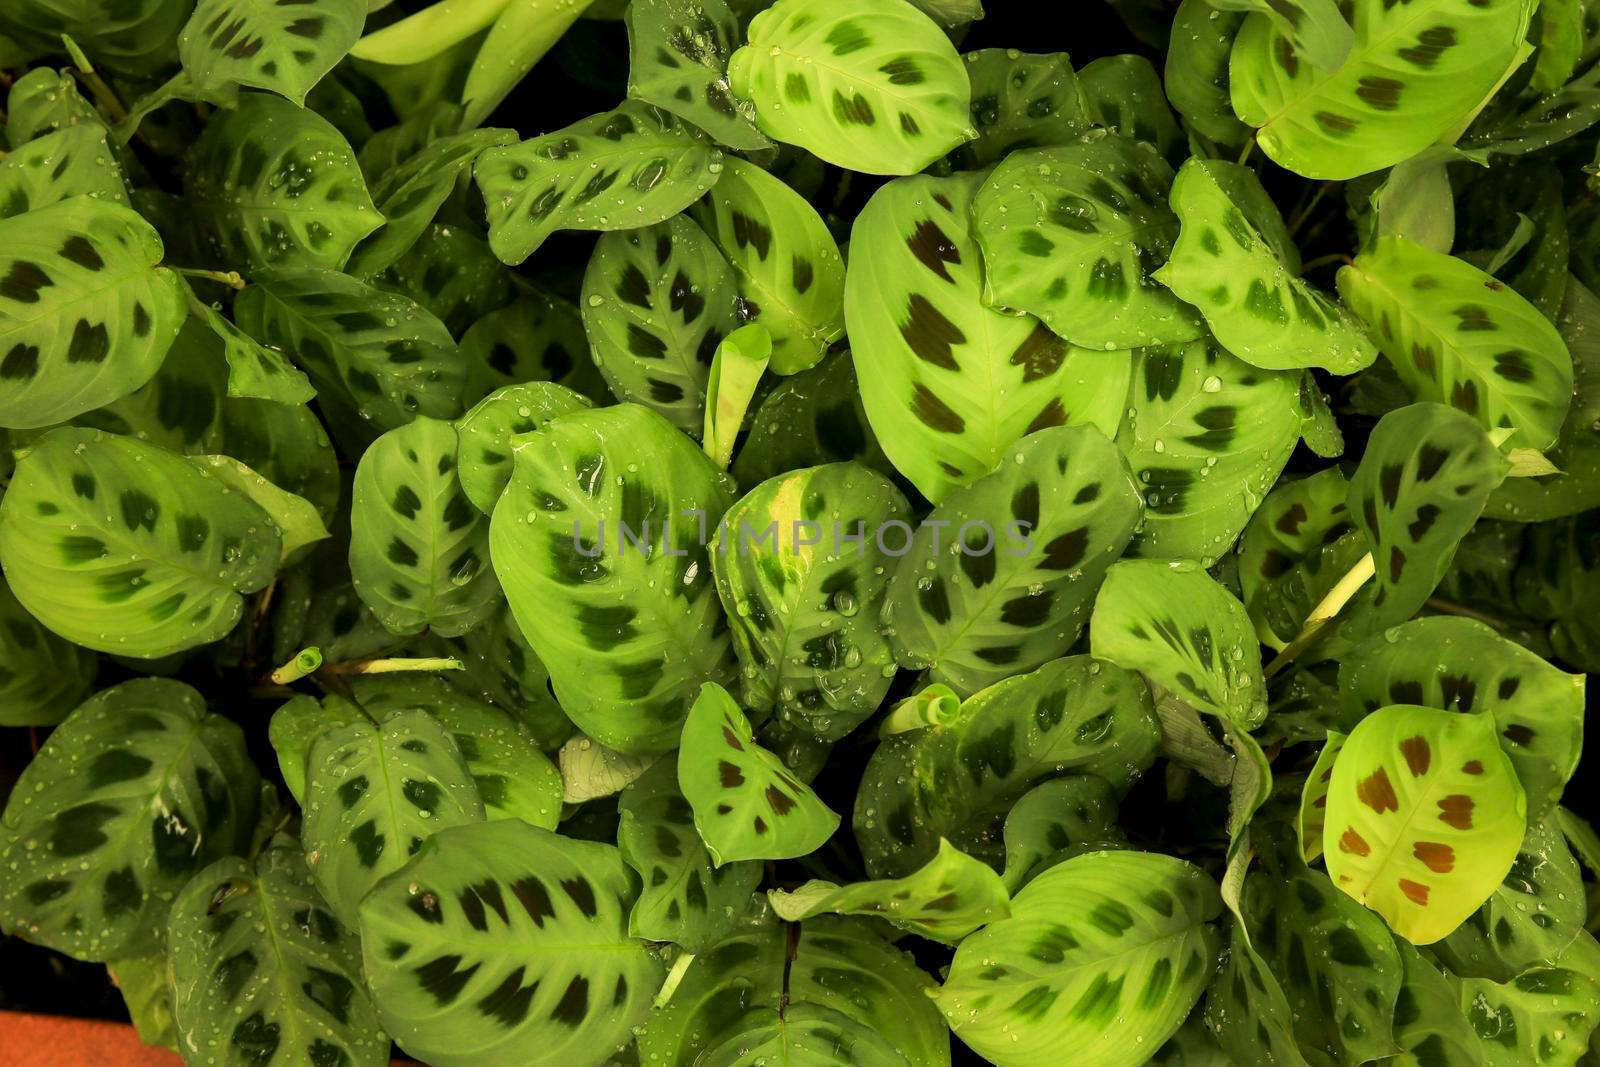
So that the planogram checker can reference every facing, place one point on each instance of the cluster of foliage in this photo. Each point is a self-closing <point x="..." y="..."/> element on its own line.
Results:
<point x="1214" y="429"/>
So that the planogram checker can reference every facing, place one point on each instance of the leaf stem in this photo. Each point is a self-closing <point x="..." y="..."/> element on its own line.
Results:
<point x="1324" y="613"/>
<point x="305" y="662"/>
<point x="102" y="93"/>
<point x="231" y="278"/>
<point x="680" y="967"/>
<point x="1323" y="261"/>
<point x="1249" y="147"/>
<point x="1304" y="213"/>
<point x="394" y="666"/>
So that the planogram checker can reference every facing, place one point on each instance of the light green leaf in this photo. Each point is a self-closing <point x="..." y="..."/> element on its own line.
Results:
<point x="43" y="676"/>
<point x="678" y="60"/>
<point x="296" y="518"/>
<point x="263" y="44"/>
<point x="146" y="990"/>
<point x="590" y="771"/>
<point x="1125" y="96"/>
<point x="1297" y="546"/>
<point x="1428" y="1022"/>
<point x="1313" y="29"/>
<point x="1020" y="100"/>
<point x="488" y="430"/>
<point x="254" y="370"/>
<point x="1196" y="74"/>
<point x="1055" y="821"/>
<point x="43" y="101"/>
<point x="297" y="723"/>
<point x="1309" y="826"/>
<point x="736" y="371"/>
<point x="73" y="161"/>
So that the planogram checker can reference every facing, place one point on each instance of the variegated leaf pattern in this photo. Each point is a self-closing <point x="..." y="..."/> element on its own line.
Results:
<point x="123" y="547"/>
<point x="298" y="522"/>
<point x="86" y="315"/>
<point x="1463" y="665"/>
<point x="1125" y="97"/>
<point x="1314" y="798"/>
<point x="1246" y="1008"/>
<point x="296" y="725"/>
<point x="945" y="899"/>
<point x="263" y="973"/>
<point x="42" y="677"/>
<point x="374" y="793"/>
<point x="535" y="338"/>
<point x="1000" y="578"/>
<point x="678" y="60"/>
<point x="501" y="937"/>
<point x="1055" y="821"/>
<point x="254" y="370"/>
<point x="1543" y="1016"/>
<point x="657" y="302"/>
<point x="1077" y="241"/>
<point x="1103" y="937"/>
<point x="685" y="898"/>
<point x="43" y="101"/>
<point x="1297" y="546"/>
<point x="747" y="804"/>
<point x="802" y="577"/>
<point x="255" y="173"/>
<point x="1196" y="73"/>
<point x="488" y="430"/>
<point x="501" y="669"/>
<point x="1424" y="818"/>
<point x="265" y="44"/>
<point x="1414" y="72"/>
<point x="1429" y="1025"/>
<point x="634" y="166"/>
<point x="1170" y="620"/>
<point x="1457" y="336"/>
<point x="75" y="161"/>
<point x="1422" y="483"/>
<point x="451" y="273"/>
<point x="789" y="271"/>
<point x="1020" y="100"/>
<point x="1255" y="303"/>
<point x="419" y="550"/>
<point x="1314" y="30"/>
<point x="1206" y="435"/>
<point x="922" y="336"/>
<point x="873" y="85"/>
<point x="627" y="634"/>
<point x="136" y="791"/>
<point x="1077" y="715"/>
<point x="809" y="419"/>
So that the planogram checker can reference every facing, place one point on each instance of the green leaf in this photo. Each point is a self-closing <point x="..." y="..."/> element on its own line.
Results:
<point x="535" y="338"/>
<point x="488" y="430"/>
<point x="1535" y="122"/>
<point x="504" y="671"/>
<point x="1125" y="97"/>
<point x="1314" y="30"/>
<point x="1297" y="546"/>
<point x="1424" y="818"/>
<point x="628" y="635"/>
<point x="1413" y="74"/>
<point x="736" y="372"/>
<point x="678" y="60"/>
<point x="802" y="573"/>
<point x="1494" y="205"/>
<point x="923" y="339"/>
<point x="44" y="677"/>
<point x="1559" y="583"/>
<point x="1255" y="302"/>
<point x="1309" y="826"/>
<point x="132" y="40"/>
<point x="374" y="793"/>
<point x="1000" y="578"/>
<point x="137" y="790"/>
<point x="502" y="937"/>
<point x="1542" y="1016"/>
<point x="295" y="517"/>
<point x="1462" y="665"/>
<point x="1020" y="100"/>
<point x="262" y="44"/>
<point x="872" y="85"/>
<point x="453" y="275"/>
<point x="1170" y="620"/>
<point x="618" y="170"/>
<point x="43" y="101"/>
<point x="419" y="550"/>
<point x="1077" y="715"/>
<point x="1196" y="74"/>
<point x="124" y="547"/>
<point x="1429" y="1025"/>
<point x="1247" y="1010"/>
<point x="788" y="269"/>
<point x="1055" y="821"/>
<point x="590" y="771"/>
<point x="254" y="370"/>
<point x="656" y="304"/>
<point x="747" y="805"/>
<point x="1415" y="201"/>
<point x="74" y="161"/>
<point x="86" y="315"/>
<point x="275" y="185"/>
<point x="686" y="897"/>
<point x="1084" y="226"/>
<point x="1457" y="336"/>
<point x="296" y="725"/>
<point x="260" y="966"/>
<point x="806" y="420"/>
<point x="1103" y="951"/>
<point x="146" y="990"/>
<point x="946" y="899"/>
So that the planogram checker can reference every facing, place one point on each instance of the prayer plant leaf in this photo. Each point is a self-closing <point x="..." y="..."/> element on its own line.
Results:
<point x="124" y="547"/>
<point x="374" y="793"/>
<point x="1056" y="820"/>
<point x="260" y="966"/>
<point x="802" y="577"/>
<point x="809" y="419"/>
<point x="1196" y="74"/>
<point x="86" y="314"/>
<point x="502" y="670"/>
<point x="1298" y="545"/>
<point x="1313" y="29"/>
<point x="1457" y="336"/>
<point x="536" y="337"/>
<point x="872" y="85"/>
<point x="678" y="60"/>
<point x="946" y="899"/>
<point x="265" y="44"/>
<point x="1413" y="74"/>
<point x="297" y="723"/>
<point x="1020" y="100"/>
<point x="136" y="791"/>
<point x="1073" y="233"/>
<point x="1125" y="97"/>
<point x="74" y="161"/>
<point x="1170" y="620"/>
<point x="1428" y="1022"/>
<point x="1077" y="715"/>
<point x="44" y="676"/>
<point x="254" y="370"/>
<point x="634" y="166"/>
<point x="1542" y="1016"/>
<point x="1255" y="303"/>
<point x="1424" y="818"/>
<point x="419" y="550"/>
<point x="686" y="898"/>
<point x="1103" y="953"/>
<point x="500" y="937"/>
<point x="1000" y="578"/>
<point x="298" y="522"/>
<point x="747" y="804"/>
<point x="923" y="339"/>
<point x="1314" y="798"/>
<point x="488" y="430"/>
<point x="628" y="623"/>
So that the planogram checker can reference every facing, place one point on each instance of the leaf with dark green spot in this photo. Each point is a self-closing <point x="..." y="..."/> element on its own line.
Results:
<point x="1057" y="820"/>
<point x="1313" y="29"/>
<point x="137" y="790"/>
<point x="617" y="170"/>
<point x="44" y="101"/>
<point x="74" y="161"/>
<point x="806" y="420"/>
<point x="747" y="805"/>
<point x="488" y="430"/>
<point x="1246" y="1008"/>
<point x="500" y="938"/>
<point x="1297" y="546"/>
<point x="534" y="338"/>
<point x="1125" y="96"/>
<point x="296" y="725"/>
<point x="42" y="677"/>
<point x="1077" y="715"/>
<point x="254" y="370"/>
<point x="1196" y="73"/>
<point x="1020" y="100"/>
<point x="1000" y="578"/>
<point x="260" y="966"/>
<point x="451" y="273"/>
<point x="265" y="44"/>
<point x="1107" y="943"/>
<point x="1308" y="827"/>
<point x="678" y="60"/>
<point x="1429" y="1025"/>
<point x="1545" y="1015"/>
<point x="130" y="40"/>
<point x="296" y="518"/>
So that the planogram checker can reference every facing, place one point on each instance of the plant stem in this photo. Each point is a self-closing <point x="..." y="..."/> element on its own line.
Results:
<point x="1323" y="261"/>
<point x="1249" y="146"/>
<point x="305" y="662"/>
<point x="102" y="93"/>
<point x="1324" y="613"/>
<point x="393" y="666"/>
<point x="231" y="278"/>
<point x="1305" y="212"/>
<point x="680" y="967"/>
